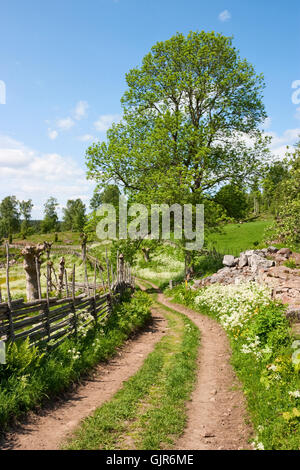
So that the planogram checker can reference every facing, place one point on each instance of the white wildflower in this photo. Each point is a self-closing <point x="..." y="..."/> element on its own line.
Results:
<point x="295" y="394"/>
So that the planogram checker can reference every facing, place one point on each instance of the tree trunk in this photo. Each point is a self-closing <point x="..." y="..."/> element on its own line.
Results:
<point x="121" y="268"/>
<point x="61" y="275"/>
<point x="146" y="252"/>
<point x="84" y="239"/>
<point x="30" y="254"/>
<point x="47" y="249"/>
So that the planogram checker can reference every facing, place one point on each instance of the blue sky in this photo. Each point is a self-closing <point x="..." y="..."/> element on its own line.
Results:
<point x="64" y="62"/>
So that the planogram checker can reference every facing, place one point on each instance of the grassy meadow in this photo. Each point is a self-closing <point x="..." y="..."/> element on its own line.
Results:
<point x="17" y="273"/>
<point x="168" y="261"/>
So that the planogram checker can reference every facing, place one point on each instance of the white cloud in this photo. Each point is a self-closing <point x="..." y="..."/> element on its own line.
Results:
<point x="12" y="153"/>
<point x="224" y="16"/>
<point x="81" y="110"/>
<point x="65" y="124"/>
<point x="52" y="134"/>
<point x="267" y="123"/>
<point x="26" y="174"/>
<point x="105" y="121"/>
<point x="86" y="138"/>
<point x="280" y="143"/>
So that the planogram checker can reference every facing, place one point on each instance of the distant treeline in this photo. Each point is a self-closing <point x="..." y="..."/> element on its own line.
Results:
<point x="15" y="217"/>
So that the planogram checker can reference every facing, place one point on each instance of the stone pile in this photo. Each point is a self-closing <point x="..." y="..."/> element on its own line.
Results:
<point x="264" y="266"/>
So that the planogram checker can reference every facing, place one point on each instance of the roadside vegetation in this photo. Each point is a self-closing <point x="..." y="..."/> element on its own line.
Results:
<point x="167" y="261"/>
<point x="32" y="376"/>
<point x="185" y="138"/>
<point x="149" y="411"/>
<point x="266" y="356"/>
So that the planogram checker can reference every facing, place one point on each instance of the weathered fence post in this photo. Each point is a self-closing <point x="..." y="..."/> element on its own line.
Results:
<point x="66" y="281"/>
<point x="9" y="308"/>
<point x="117" y="268"/>
<point x="108" y="275"/>
<point x="73" y="307"/>
<point x="84" y="239"/>
<point x="109" y="302"/>
<point x="121" y="269"/>
<point x="95" y="279"/>
<point x="112" y="276"/>
<point x="46" y="306"/>
<point x="38" y="276"/>
<point x="47" y="249"/>
<point x="102" y="280"/>
<point x="61" y="275"/>
<point x="93" y="301"/>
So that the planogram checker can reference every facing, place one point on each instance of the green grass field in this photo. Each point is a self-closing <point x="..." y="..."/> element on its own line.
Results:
<point x="238" y="237"/>
<point x="64" y="238"/>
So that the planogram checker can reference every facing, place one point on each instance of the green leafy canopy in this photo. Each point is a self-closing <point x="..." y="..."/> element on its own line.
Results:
<point x="191" y="123"/>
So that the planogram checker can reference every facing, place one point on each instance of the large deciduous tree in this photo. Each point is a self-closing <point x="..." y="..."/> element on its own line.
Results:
<point x="191" y="123"/>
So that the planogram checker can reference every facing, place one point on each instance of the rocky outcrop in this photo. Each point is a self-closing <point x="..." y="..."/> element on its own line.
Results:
<point x="264" y="266"/>
<point x="229" y="261"/>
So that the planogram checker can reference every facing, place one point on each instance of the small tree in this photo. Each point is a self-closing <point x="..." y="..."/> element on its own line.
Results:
<point x="74" y="215"/>
<point x="50" y="222"/>
<point x="234" y="200"/>
<point x="9" y="216"/>
<point x="25" y="211"/>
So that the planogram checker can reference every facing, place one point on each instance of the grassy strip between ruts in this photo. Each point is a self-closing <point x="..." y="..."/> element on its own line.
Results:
<point x="30" y="377"/>
<point x="149" y="411"/>
<point x="265" y="356"/>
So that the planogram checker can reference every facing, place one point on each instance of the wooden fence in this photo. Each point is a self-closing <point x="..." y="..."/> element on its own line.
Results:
<point x="47" y="322"/>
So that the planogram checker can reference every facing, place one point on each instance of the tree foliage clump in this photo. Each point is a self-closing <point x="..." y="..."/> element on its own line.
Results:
<point x="9" y="216"/>
<point x="287" y="223"/>
<point x="74" y="215"/>
<point x="50" y="222"/>
<point x="234" y="200"/>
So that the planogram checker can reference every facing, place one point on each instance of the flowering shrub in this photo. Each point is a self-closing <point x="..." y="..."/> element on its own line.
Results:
<point x="234" y="305"/>
<point x="265" y="357"/>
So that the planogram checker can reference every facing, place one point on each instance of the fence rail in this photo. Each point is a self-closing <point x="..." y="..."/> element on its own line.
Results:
<point x="49" y="322"/>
